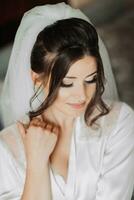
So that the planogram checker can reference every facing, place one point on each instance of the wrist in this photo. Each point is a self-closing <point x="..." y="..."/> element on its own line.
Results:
<point x="37" y="168"/>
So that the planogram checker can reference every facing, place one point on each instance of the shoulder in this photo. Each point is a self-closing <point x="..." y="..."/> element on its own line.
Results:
<point x="4" y="146"/>
<point x="121" y="122"/>
<point x="119" y="112"/>
<point x="12" y="131"/>
<point x="9" y="140"/>
<point x="8" y="131"/>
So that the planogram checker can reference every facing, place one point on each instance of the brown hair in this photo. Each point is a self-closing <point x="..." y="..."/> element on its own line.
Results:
<point x="57" y="47"/>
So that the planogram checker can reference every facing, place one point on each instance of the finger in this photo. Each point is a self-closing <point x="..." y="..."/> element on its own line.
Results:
<point x="56" y="130"/>
<point x="34" y="121"/>
<point x="37" y="122"/>
<point x="40" y="124"/>
<point x="48" y="127"/>
<point x="21" y="128"/>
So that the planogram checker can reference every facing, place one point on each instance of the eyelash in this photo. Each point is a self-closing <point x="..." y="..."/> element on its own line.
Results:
<point x="93" y="80"/>
<point x="88" y="82"/>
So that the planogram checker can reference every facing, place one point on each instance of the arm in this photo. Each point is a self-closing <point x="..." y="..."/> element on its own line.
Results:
<point x="116" y="181"/>
<point x="37" y="184"/>
<point x="39" y="143"/>
<point x="9" y="182"/>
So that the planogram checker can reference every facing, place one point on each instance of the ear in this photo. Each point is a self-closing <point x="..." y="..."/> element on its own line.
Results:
<point x="35" y="78"/>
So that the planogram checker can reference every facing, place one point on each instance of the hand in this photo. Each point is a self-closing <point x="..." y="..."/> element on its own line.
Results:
<point x="39" y="140"/>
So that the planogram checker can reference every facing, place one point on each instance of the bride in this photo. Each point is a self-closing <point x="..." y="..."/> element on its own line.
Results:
<point x="18" y="70"/>
<point x="67" y="140"/>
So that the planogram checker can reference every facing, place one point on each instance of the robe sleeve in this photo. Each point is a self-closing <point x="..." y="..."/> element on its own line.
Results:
<point x="116" y="181"/>
<point x="9" y="182"/>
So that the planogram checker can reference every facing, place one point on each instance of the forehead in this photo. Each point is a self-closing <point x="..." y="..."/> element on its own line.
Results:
<point x="85" y="66"/>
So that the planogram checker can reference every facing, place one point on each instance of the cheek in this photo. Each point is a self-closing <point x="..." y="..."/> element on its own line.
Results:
<point x="91" y="91"/>
<point x="65" y="94"/>
<point x="62" y="96"/>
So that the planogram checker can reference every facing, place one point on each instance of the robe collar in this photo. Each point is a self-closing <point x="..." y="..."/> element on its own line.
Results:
<point x="85" y="132"/>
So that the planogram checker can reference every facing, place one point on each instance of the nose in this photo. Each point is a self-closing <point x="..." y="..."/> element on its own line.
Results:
<point x="80" y="93"/>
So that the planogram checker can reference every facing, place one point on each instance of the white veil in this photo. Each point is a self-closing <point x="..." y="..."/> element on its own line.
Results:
<point x="18" y="86"/>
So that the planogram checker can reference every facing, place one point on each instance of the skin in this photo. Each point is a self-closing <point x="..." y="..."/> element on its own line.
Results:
<point x="80" y="92"/>
<point x="47" y="144"/>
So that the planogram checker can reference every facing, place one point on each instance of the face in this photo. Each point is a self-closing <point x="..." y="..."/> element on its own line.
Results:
<point x="78" y="87"/>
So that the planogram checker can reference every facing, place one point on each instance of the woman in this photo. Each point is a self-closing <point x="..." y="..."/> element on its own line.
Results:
<point x="32" y="23"/>
<point x="74" y="144"/>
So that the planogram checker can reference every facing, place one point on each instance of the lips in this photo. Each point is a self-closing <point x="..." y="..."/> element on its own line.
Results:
<point x="77" y="105"/>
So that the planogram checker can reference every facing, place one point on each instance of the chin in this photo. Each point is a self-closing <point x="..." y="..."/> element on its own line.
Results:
<point x="75" y="114"/>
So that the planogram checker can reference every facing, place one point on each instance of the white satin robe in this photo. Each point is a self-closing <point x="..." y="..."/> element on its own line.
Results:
<point x="101" y="161"/>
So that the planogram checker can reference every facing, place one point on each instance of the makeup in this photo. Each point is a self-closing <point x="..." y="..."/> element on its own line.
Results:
<point x="77" y="105"/>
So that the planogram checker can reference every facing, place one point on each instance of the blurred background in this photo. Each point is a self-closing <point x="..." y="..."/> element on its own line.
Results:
<point x="114" y="20"/>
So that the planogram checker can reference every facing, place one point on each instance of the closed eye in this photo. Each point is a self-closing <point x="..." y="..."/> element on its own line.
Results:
<point x="92" y="80"/>
<point x="66" y="85"/>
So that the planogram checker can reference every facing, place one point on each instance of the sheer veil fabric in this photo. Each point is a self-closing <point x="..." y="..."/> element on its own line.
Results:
<point x="18" y="86"/>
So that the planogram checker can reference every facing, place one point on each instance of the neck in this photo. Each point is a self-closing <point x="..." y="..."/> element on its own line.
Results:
<point x="59" y="118"/>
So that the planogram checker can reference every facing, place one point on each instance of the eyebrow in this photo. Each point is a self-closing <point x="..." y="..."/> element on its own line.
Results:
<point x="73" y="77"/>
